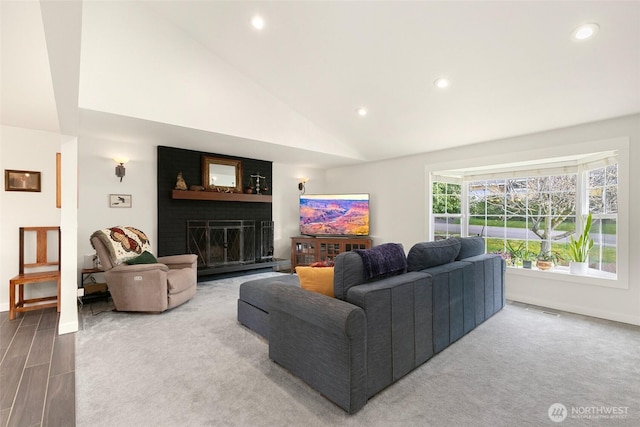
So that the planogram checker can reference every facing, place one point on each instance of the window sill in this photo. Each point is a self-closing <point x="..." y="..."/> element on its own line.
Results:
<point x="593" y="277"/>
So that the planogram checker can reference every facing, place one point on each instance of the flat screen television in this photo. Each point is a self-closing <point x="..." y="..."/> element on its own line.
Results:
<point x="334" y="214"/>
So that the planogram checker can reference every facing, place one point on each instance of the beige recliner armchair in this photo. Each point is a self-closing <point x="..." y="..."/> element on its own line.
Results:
<point x="148" y="287"/>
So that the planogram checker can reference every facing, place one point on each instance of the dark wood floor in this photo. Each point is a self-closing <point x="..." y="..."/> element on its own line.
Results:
<point x="37" y="371"/>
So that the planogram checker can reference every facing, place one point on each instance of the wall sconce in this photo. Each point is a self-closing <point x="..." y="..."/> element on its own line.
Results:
<point x="301" y="185"/>
<point x="120" y="170"/>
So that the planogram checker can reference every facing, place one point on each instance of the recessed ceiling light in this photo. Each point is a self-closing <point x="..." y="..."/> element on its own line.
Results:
<point x="586" y="31"/>
<point x="441" y="83"/>
<point x="257" y="22"/>
<point x="362" y="111"/>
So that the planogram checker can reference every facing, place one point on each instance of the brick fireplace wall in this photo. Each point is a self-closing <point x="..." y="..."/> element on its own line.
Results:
<point x="174" y="214"/>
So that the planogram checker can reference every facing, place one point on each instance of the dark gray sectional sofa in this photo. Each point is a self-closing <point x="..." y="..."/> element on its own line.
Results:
<point x="376" y="330"/>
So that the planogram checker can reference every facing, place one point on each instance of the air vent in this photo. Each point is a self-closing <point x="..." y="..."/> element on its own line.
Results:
<point x="550" y="313"/>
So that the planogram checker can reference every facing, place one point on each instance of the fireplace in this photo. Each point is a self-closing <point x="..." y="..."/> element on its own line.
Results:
<point x="228" y="234"/>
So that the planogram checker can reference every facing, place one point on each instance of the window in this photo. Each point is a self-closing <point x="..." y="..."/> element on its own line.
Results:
<point x="531" y="212"/>
<point x="603" y="204"/>
<point x="447" y="203"/>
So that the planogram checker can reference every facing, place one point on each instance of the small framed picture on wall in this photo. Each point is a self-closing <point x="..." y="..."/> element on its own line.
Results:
<point x="119" y="200"/>
<point x="21" y="180"/>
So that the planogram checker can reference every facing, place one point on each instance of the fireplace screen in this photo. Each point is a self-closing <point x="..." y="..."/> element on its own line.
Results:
<point x="266" y="240"/>
<point x="218" y="243"/>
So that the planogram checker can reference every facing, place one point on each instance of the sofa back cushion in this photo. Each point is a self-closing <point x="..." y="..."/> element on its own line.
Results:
<point x="348" y="271"/>
<point x="350" y="268"/>
<point x="383" y="260"/>
<point x="430" y="254"/>
<point x="470" y="246"/>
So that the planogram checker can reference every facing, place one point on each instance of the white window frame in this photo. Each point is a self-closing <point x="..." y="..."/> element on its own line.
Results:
<point x="463" y="204"/>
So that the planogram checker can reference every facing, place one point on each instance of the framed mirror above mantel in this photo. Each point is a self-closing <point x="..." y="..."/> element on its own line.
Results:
<point x="221" y="175"/>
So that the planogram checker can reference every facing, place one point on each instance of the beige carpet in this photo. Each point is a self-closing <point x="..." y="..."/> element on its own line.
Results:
<point x="196" y="366"/>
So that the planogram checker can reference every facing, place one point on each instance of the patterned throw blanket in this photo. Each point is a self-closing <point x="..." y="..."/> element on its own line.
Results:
<point x="123" y="243"/>
<point x="384" y="260"/>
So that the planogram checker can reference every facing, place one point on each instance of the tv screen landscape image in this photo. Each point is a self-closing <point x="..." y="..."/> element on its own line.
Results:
<point x="334" y="214"/>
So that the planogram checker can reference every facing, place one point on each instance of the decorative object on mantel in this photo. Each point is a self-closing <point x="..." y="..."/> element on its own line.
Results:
<point x="181" y="184"/>
<point x="258" y="189"/>
<point x="250" y="188"/>
<point x="196" y="188"/>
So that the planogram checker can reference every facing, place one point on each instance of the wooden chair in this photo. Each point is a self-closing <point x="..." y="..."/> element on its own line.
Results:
<point x="34" y="272"/>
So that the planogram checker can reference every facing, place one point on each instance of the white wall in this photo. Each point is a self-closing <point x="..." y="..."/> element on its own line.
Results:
<point x="24" y="149"/>
<point x="286" y="214"/>
<point x="398" y="198"/>
<point x="97" y="180"/>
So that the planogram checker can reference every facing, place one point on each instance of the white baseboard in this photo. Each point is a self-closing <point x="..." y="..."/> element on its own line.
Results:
<point x="586" y="311"/>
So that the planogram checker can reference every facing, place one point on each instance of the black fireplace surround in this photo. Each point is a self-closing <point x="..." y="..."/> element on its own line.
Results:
<point x="174" y="215"/>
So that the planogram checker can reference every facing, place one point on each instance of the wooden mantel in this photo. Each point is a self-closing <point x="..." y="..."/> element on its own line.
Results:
<point x="214" y="195"/>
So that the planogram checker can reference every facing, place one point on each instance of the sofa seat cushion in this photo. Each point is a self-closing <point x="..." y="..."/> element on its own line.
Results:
<point x="254" y="302"/>
<point x="255" y="292"/>
<point x="431" y="254"/>
<point x="181" y="279"/>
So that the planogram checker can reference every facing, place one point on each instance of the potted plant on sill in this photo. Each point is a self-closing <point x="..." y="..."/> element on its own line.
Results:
<point x="579" y="249"/>
<point x="516" y="254"/>
<point x="527" y="259"/>
<point x="547" y="260"/>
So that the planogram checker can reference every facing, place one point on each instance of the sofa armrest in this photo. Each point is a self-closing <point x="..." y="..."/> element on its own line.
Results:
<point x="322" y="340"/>
<point x="179" y="261"/>
<point x="399" y="325"/>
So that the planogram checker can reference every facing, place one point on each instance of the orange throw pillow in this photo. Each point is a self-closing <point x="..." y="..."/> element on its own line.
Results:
<point x="316" y="279"/>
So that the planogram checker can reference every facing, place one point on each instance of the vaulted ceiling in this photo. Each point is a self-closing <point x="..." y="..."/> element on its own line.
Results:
<point x="197" y="74"/>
